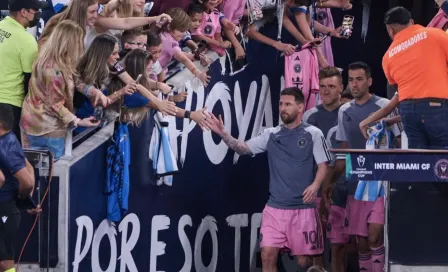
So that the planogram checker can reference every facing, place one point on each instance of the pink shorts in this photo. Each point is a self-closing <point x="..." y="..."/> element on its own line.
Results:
<point x="359" y="214"/>
<point x="335" y="226"/>
<point x="298" y="230"/>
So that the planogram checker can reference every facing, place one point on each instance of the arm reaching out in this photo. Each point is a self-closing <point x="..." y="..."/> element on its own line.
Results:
<point x="239" y="147"/>
<point x="380" y="114"/>
<point x="217" y="126"/>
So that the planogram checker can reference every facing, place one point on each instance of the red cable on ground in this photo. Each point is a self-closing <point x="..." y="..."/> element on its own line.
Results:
<point x="37" y="216"/>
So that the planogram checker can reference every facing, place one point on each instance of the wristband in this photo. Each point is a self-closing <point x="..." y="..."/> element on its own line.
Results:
<point x="187" y="115"/>
<point x="117" y="68"/>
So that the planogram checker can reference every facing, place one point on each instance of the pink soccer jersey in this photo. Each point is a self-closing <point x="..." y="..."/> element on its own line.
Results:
<point x="233" y="10"/>
<point x="210" y="25"/>
<point x="169" y="47"/>
<point x="302" y="71"/>
<point x="325" y="18"/>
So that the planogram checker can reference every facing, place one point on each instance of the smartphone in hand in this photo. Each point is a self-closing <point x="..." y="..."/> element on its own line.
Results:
<point x="347" y="25"/>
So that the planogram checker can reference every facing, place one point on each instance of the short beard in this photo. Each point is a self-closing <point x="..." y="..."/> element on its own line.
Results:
<point x="289" y="119"/>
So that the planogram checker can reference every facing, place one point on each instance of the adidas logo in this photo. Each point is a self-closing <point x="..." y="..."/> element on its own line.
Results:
<point x="209" y="20"/>
<point x="313" y="247"/>
<point x="297" y="58"/>
<point x="4" y="218"/>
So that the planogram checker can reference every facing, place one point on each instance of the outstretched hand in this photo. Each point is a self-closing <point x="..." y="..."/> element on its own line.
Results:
<point x="200" y="117"/>
<point x="216" y="125"/>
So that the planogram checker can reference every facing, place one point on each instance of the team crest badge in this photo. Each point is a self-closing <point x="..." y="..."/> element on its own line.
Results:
<point x="208" y="29"/>
<point x="297" y="68"/>
<point x="301" y="142"/>
<point x="322" y="16"/>
<point x="441" y="169"/>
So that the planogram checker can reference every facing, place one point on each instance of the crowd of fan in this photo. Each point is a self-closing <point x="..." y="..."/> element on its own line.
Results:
<point x="91" y="53"/>
<point x="108" y="55"/>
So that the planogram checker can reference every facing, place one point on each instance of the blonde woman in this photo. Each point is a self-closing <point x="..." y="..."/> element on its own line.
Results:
<point x="85" y="14"/>
<point x="47" y="111"/>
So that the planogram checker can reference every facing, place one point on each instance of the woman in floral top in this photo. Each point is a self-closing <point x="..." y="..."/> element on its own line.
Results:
<point x="47" y="111"/>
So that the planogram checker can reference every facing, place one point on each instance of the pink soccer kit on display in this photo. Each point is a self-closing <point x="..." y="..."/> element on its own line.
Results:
<point x="302" y="71"/>
<point x="325" y="18"/>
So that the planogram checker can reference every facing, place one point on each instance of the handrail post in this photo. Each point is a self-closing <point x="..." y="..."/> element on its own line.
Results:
<point x="68" y="145"/>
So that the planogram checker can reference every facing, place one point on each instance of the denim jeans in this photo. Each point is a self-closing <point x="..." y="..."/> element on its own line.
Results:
<point x="55" y="145"/>
<point x="425" y="122"/>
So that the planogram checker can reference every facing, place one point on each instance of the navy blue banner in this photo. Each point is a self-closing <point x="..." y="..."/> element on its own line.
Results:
<point x="209" y="219"/>
<point x="404" y="167"/>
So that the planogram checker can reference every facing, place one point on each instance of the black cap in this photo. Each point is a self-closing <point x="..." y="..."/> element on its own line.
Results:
<point x="397" y="15"/>
<point x="16" y="5"/>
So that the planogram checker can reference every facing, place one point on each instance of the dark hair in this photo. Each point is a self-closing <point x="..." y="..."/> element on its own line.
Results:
<point x="194" y="8"/>
<point x="153" y="39"/>
<point x="397" y="15"/>
<point x="328" y="72"/>
<point x="347" y="93"/>
<point x="131" y="34"/>
<point x="296" y="92"/>
<point x="358" y="65"/>
<point x="6" y="117"/>
<point x="135" y="63"/>
<point x="92" y="67"/>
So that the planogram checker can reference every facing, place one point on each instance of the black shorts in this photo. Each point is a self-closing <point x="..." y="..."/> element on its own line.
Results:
<point x="9" y="226"/>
